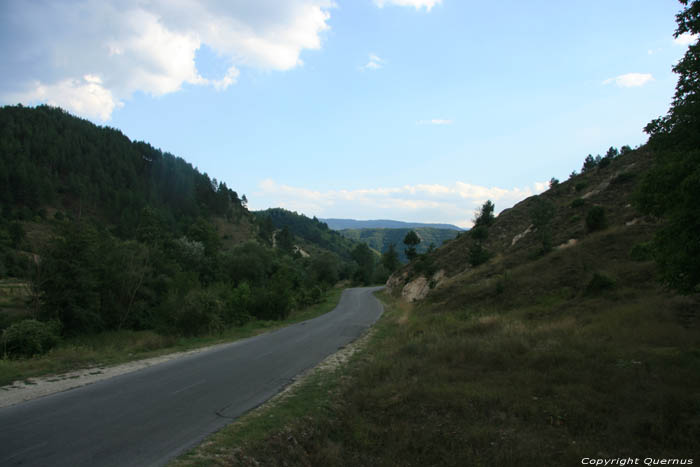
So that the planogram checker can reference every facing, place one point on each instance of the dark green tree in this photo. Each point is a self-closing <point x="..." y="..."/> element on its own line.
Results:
<point x="364" y="258"/>
<point x="484" y="216"/>
<point x="285" y="240"/>
<point x="411" y="240"/>
<point x="672" y="188"/>
<point x="541" y="214"/>
<point x="390" y="259"/>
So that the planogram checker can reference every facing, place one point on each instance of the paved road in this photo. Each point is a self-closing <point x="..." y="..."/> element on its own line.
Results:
<point x="152" y="415"/>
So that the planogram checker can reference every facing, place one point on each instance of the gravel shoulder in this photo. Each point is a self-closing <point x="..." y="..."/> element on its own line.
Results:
<point x="33" y="388"/>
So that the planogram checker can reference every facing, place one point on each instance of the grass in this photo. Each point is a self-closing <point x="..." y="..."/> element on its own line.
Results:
<point x="540" y="371"/>
<point x="114" y="347"/>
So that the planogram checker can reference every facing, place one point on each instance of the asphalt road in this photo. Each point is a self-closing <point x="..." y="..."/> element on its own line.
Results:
<point x="150" y="416"/>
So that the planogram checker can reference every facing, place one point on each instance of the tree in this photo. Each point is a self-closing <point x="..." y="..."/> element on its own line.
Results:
<point x="411" y="240"/>
<point x="484" y="216"/>
<point x="670" y="190"/>
<point x="390" y="259"/>
<point x="364" y="258"/>
<point x="589" y="164"/>
<point x="541" y="214"/>
<point x="285" y="240"/>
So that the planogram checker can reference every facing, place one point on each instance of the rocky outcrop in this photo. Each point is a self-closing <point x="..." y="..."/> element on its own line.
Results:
<point x="416" y="289"/>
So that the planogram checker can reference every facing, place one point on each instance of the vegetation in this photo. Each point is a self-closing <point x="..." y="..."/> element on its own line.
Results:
<point x="411" y="240"/>
<point x="114" y="347"/>
<point x="671" y="189"/>
<point x="380" y="239"/>
<point x="109" y="235"/>
<point x="531" y="359"/>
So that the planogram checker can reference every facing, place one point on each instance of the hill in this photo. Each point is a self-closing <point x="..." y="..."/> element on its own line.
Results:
<point x="102" y="234"/>
<point x="381" y="239"/>
<point x="341" y="224"/>
<point x="545" y="337"/>
<point x="310" y="232"/>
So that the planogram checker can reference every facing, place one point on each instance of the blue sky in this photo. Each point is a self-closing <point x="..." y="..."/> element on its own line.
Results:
<point x="415" y="110"/>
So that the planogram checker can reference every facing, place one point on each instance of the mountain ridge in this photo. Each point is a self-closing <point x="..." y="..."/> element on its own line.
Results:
<point x="342" y="224"/>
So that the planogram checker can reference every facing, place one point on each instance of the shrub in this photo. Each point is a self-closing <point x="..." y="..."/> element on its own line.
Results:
<point x="478" y="254"/>
<point x="200" y="313"/>
<point x="578" y="202"/>
<point x="580" y="186"/>
<point x="642" y="252"/>
<point x="30" y="337"/>
<point x="479" y="233"/>
<point x="599" y="283"/>
<point x="595" y="219"/>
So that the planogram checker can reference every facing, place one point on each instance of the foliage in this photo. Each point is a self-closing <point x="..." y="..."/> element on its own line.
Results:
<point x="541" y="214"/>
<point x="477" y="254"/>
<point x="200" y="312"/>
<point x="671" y="189"/>
<point x="138" y="239"/>
<point x="598" y="283"/>
<point x="310" y="230"/>
<point x="595" y="219"/>
<point x="381" y="239"/>
<point x="365" y="260"/>
<point x="30" y="337"/>
<point x="485" y="216"/>
<point x="390" y="259"/>
<point x="411" y="240"/>
<point x="578" y="202"/>
<point x="553" y="183"/>
<point x="589" y="164"/>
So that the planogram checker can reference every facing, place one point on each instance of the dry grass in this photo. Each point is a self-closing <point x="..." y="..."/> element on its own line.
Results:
<point x="541" y="370"/>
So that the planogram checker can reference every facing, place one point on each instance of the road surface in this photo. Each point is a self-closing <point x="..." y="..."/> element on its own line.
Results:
<point x="150" y="416"/>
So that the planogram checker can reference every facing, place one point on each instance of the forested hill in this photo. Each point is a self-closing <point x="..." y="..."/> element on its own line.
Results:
<point x="382" y="239"/>
<point x="49" y="158"/>
<point x="102" y="234"/>
<point x="311" y="231"/>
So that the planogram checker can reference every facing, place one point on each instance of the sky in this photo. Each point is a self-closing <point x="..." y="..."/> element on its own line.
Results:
<point x="413" y="110"/>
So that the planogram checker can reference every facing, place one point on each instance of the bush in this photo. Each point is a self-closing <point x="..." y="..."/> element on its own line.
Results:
<point x="30" y="337"/>
<point x="478" y="254"/>
<point x="599" y="283"/>
<point x="642" y="252"/>
<point x="578" y="202"/>
<point x="595" y="219"/>
<point x="200" y="313"/>
<point x="580" y="186"/>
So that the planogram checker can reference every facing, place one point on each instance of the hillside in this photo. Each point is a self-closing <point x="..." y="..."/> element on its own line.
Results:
<point x="101" y="234"/>
<point x="341" y="224"/>
<point x="381" y="239"/>
<point x="558" y="343"/>
<point x="311" y="233"/>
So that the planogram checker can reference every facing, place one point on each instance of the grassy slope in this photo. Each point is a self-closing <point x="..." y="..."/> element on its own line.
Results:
<point x="522" y="361"/>
<point x="111" y="348"/>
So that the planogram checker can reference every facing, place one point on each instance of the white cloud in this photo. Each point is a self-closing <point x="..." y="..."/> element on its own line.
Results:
<point x="417" y="4"/>
<point x="686" y="39"/>
<point x="374" y="63"/>
<point x="49" y="49"/>
<point x="435" y="121"/>
<point x="455" y="203"/>
<point x="630" y="80"/>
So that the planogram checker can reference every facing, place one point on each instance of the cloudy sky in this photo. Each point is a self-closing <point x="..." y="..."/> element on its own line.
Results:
<point x="415" y="110"/>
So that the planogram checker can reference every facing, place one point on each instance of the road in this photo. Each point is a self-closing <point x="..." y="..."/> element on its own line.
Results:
<point x="150" y="416"/>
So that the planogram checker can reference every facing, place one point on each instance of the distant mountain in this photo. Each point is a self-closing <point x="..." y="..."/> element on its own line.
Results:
<point x="341" y="224"/>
